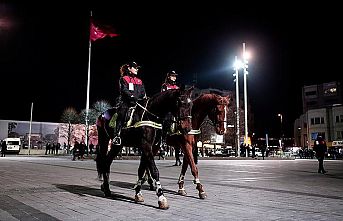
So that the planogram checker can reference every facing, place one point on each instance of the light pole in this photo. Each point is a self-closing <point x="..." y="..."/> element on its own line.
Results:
<point x="245" y="72"/>
<point x="280" y="115"/>
<point x="237" y="65"/>
<point x="30" y="127"/>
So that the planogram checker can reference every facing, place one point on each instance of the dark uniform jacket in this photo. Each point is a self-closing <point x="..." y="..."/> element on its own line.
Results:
<point x="131" y="89"/>
<point x="168" y="86"/>
<point x="320" y="148"/>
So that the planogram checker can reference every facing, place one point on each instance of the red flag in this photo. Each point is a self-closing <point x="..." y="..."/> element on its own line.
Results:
<point x="98" y="33"/>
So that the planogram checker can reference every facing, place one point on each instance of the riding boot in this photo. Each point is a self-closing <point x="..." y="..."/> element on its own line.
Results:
<point x="117" y="140"/>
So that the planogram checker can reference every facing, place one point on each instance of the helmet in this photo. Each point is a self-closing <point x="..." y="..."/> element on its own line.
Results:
<point x="171" y="73"/>
<point x="133" y="64"/>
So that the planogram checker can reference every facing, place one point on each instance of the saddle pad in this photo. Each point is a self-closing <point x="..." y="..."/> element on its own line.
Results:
<point x="113" y="121"/>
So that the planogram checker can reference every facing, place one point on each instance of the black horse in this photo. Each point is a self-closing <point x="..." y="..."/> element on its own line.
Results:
<point x="144" y="132"/>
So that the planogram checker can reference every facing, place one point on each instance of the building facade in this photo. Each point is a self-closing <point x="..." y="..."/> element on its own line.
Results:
<point x="322" y="114"/>
<point x="46" y="132"/>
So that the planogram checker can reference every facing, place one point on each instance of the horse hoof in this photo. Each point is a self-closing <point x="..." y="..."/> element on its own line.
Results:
<point x="182" y="192"/>
<point x="163" y="204"/>
<point x="107" y="192"/>
<point x="202" y="195"/>
<point x="139" y="198"/>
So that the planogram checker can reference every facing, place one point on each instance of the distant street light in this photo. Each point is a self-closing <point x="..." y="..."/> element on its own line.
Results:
<point x="246" y="55"/>
<point x="30" y="127"/>
<point x="280" y="115"/>
<point x="237" y="65"/>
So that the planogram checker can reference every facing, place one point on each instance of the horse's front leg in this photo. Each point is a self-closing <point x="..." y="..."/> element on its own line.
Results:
<point x="105" y="186"/>
<point x="162" y="200"/>
<point x="189" y="144"/>
<point x="181" y="181"/>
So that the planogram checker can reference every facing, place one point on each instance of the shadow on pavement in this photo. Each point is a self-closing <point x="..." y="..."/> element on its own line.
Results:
<point x="83" y="191"/>
<point x="329" y="175"/>
<point x="22" y="211"/>
<point x="145" y="187"/>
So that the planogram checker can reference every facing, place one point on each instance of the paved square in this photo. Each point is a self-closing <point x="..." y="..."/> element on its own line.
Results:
<point x="56" y="188"/>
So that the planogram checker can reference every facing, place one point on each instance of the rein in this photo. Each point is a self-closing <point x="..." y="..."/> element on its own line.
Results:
<point x="146" y="110"/>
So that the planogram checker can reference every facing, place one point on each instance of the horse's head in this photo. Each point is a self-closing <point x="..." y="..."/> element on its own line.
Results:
<point x="177" y="102"/>
<point x="184" y="115"/>
<point x="218" y="114"/>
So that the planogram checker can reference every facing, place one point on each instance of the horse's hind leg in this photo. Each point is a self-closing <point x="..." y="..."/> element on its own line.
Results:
<point x="105" y="187"/>
<point x="142" y="170"/>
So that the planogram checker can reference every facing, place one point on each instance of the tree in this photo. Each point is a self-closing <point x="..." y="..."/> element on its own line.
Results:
<point x="70" y="116"/>
<point x="93" y="113"/>
<point x="91" y="116"/>
<point x="101" y="106"/>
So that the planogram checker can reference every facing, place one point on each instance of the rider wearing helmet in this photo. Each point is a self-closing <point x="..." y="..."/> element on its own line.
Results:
<point x="170" y="81"/>
<point x="131" y="89"/>
<point x="169" y="84"/>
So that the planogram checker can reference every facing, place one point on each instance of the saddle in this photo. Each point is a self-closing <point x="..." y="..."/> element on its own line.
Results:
<point x="128" y="118"/>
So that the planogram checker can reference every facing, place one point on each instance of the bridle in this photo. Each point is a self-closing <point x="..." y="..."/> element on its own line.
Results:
<point x="222" y="105"/>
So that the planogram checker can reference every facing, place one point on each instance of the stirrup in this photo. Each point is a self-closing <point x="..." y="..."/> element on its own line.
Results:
<point x="116" y="141"/>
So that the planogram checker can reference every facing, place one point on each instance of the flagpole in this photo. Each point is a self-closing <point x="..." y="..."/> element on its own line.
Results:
<point x="88" y="85"/>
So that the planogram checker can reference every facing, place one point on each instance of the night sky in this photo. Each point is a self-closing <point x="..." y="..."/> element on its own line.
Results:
<point x="44" y="53"/>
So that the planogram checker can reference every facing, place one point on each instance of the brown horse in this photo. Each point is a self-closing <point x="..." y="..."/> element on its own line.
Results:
<point x="144" y="133"/>
<point x="215" y="107"/>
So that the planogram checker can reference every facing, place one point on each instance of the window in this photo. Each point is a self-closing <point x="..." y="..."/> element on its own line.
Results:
<point x="330" y="89"/>
<point x="339" y="135"/>
<point x="309" y="93"/>
<point x="310" y="103"/>
<point x="337" y="119"/>
<point x="317" y="120"/>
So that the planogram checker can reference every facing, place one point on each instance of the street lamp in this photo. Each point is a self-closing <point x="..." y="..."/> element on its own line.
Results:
<point x="246" y="55"/>
<point x="237" y="65"/>
<point x="30" y="128"/>
<point x="280" y="115"/>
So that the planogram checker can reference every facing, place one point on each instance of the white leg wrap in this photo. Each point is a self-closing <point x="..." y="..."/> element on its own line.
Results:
<point x="162" y="198"/>
<point x="158" y="186"/>
<point x="139" y="183"/>
<point x="181" y="178"/>
<point x="196" y="181"/>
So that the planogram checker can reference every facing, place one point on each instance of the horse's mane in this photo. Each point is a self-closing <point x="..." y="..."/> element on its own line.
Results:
<point x="207" y="96"/>
<point x="163" y="95"/>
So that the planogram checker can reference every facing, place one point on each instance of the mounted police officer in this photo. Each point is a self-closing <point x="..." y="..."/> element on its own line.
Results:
<point x="131" y="89"/>
<point x="170" y="81"/>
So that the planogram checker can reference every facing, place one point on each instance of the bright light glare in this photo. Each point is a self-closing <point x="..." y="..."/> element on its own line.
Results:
<point x="246" y="55"/>
<point x="237" y="64"/>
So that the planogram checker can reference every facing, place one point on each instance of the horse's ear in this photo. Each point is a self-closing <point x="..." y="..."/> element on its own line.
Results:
<point x="190" y="90"/>
<point x="229" y="98"/>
